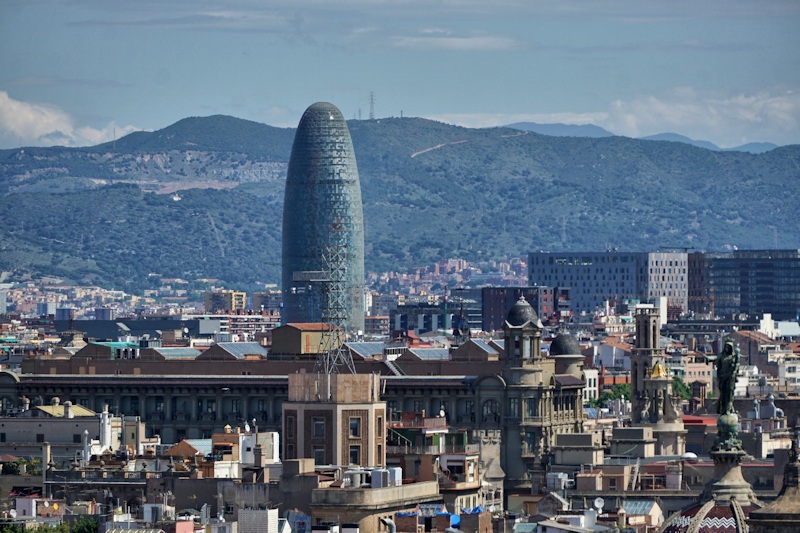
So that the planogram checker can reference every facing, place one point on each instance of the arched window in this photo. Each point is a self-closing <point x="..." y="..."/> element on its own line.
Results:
<point x="491" y="411"/>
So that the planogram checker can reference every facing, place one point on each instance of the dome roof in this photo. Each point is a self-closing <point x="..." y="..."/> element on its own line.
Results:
<point x="722" y="516"/>
<point x="785" y="509"/>
<point x="565" y="344"/>
<point x="521" y="313"/>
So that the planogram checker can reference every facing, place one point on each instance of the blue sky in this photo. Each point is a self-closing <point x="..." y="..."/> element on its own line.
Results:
<point x="79" y="72"/>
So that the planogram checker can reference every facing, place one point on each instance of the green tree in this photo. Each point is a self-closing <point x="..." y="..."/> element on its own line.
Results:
<point x="84" y="525"/>
<point x="681" y="388"/>
<point x="11" y="468"/>
<point x="615" y="393"/>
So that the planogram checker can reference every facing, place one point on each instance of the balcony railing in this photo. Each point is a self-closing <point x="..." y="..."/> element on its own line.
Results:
<point x="418" y="421"/>
<point x="433" y="450"/>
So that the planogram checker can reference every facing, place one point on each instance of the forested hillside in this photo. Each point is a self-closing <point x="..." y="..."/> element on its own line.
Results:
<point x="109" y="214"/>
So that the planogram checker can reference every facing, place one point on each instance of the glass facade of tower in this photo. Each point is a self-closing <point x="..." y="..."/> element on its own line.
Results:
<point x="754" y="282"/>
<point x="323" y="223"/>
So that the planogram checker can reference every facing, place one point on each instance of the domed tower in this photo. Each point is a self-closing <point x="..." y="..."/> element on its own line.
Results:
<point x="323" y="223"/>
<point x="529" y="386"/>
<point x="566" y="351"/>
<point x="783" y="514"/>
<point x="522" y="332"/>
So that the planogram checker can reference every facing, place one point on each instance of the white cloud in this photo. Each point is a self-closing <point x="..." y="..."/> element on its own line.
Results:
<point x="727" y="121"/>
<point x="279" y="117"/>
<point x="33" y="124"/>
<point x="442" y="41"/>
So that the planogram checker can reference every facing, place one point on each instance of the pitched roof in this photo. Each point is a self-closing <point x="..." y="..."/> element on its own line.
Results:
<point x="178" y="352"/>
<point x="366" y="349"/>
<point x="240" y="350"/>
<point x="789" y="329"/>
<point x="431" y="354"/>
<point x="485" y="346"/>
<point x="568" y="380"/>
<point x="637" y="507"/>
<point x="310" y="326"/>
<point x="204" y="446"/>
<point x="58" y="410"/>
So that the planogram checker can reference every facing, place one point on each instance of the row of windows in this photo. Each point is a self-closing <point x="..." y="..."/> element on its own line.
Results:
<point x="318" y="427"/>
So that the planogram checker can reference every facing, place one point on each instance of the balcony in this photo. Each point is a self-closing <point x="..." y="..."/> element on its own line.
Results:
<point x="433" y="450"/>
<point x="534" y="420"/>
<point x="456" y="480"/>
<point x="418" y="421"/>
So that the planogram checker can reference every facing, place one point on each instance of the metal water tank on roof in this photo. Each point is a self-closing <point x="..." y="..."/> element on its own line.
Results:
<point x="356" y="478"/>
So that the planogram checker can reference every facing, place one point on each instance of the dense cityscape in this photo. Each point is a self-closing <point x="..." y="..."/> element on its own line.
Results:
<point x="399" y="266"/>
<point x="557" y="391"/>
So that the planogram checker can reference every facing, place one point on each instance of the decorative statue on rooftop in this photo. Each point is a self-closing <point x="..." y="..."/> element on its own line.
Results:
<point x="727" y="369"/>
<point x="727" y="362"/>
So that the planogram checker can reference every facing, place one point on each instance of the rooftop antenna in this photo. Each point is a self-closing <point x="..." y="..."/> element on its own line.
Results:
<point x="372" y="105"/>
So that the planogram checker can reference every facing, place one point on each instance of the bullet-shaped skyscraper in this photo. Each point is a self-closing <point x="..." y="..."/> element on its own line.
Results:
<point x="323" y="223"/>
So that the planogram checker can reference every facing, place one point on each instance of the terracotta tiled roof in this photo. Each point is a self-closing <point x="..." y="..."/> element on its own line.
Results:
<point x="310" y="326"/>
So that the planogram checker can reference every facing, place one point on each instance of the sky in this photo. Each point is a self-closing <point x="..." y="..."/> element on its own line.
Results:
<point x="82" y="72"/>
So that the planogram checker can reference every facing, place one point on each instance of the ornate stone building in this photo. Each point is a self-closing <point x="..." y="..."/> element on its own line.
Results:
<point x="539" y="402"/>
<point x="515" y="403"/>
<point x="653" y="403"/>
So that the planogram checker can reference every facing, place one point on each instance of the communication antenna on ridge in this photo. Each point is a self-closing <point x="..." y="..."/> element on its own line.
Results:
<point x="372" y="105"/>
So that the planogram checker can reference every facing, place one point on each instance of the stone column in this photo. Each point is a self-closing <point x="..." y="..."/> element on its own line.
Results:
<point x="168" y="405"/>
<point x="193" y="399"/>
<point x="244" y="398"/>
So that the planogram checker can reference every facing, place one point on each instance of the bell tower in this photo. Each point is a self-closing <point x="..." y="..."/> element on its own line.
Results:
<point x="653" y="401"/>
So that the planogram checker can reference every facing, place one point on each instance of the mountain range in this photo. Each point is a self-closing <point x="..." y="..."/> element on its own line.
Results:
<point x="590" y="130"/>
<point x="203" y="197"/>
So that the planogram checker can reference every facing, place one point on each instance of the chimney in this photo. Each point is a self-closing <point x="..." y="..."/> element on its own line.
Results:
<point x="85" y="443"/>
<point x="46" y="458"/>
<point x="258" y="456"/>
<point x="105" y="429"/>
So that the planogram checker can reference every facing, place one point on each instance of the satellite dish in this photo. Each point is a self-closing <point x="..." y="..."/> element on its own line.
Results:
<point x="46" y="503"/>
<point x="55" y="506"/>
<point x="599" y="503"/>
<point x="13" y="513"/>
